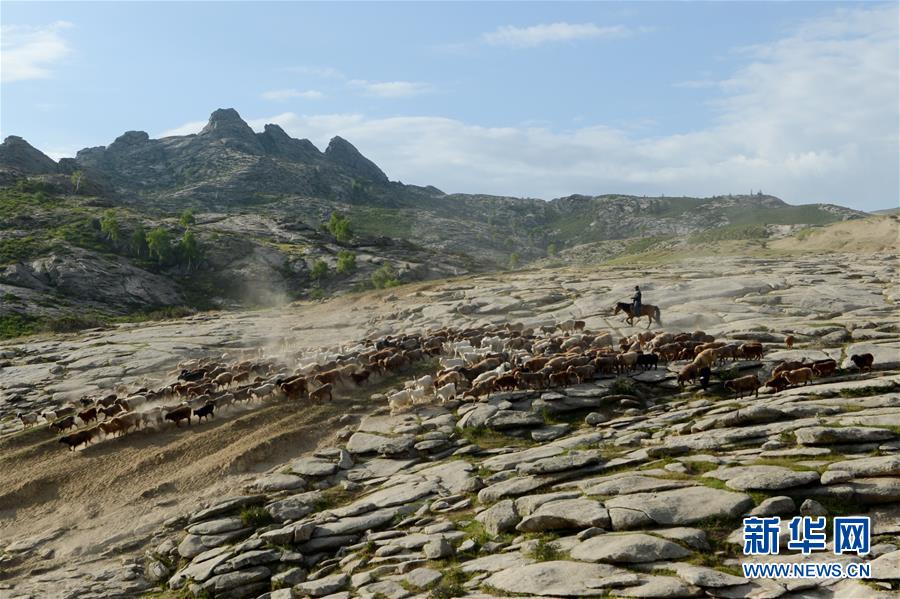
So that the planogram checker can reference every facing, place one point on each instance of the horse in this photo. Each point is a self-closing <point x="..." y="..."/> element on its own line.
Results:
<point x="648" y="310"/>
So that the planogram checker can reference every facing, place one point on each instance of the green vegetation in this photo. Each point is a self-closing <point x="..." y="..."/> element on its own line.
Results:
<point x="339" y="226"/>
<point x="188" y="249"/>
<point x="546" y="551"/>
<point x="159" y="244"/>
<point x="623" y="386"/>
<point x="346" y="262"/>
<point x="382" y="222"/>
<point x="385" y="277"/>
<point x="109" y="225"/>
<point x="513" y="261"/>
<point x="488" y="438"/>
<point x="76" y="178"/>
<point x="862" y="391"/>
<point x="18" y="249"/>
<point x="255" y="517"/>
<point x="319" y="270"/>
<point x="139" y="242"/>
<point x="187" y="218"/>
<point x="730" y="233"/>
<point x="16" y="325"/>
<point x="450" y="585"/>
<point x="645" y="243"/>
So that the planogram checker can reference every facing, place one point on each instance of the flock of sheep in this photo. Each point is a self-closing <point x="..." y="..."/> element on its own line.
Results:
<point x="474" y="363"/>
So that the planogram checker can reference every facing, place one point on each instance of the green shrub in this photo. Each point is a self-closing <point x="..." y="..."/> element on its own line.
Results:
<point x="255" y="517"/>
<point x="319" y="270"/>
<point x="73" y="322"/>
<point x="339" y="226"/>
<point x="346" y="262"/>
<point x="16" y="325"/>
<point x="385" y="276"/>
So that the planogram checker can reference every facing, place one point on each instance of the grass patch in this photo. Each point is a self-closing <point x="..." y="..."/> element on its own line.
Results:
<point x="333" y="497"/>
<point x="623" y="386"/>
<point x="451" y="584"/>
<point x="255" y="517"/>
<point x="488" y="438"/>
<point x="786" y="463"/>
<point x="16" y="325"/>
<point x="866" y="391"/>
<point x="546" y="551"/>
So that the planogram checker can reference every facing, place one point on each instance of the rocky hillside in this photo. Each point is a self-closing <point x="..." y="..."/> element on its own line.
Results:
<point x="75" y="247"/>
<point x="621" y="485"/>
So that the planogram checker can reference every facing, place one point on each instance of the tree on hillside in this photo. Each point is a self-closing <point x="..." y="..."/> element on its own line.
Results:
<point x="76" y="178"/>
<point x="109" y="225"/>
<point x="346" y="262"/>
<point x="513" y="260"/>
<point x="158" y="244"/>
<point x="319" y="270"/>
<point x="339" y="226"/>
<point x="551" y="249"/>
<point x="139" y="241"/>
<point x="189" y="249"/>
<point x="187" y="218"/>
<point x="385" y="276"/>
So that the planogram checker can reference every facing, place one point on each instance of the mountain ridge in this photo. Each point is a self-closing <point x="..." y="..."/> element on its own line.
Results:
<point x="259" y="231"/>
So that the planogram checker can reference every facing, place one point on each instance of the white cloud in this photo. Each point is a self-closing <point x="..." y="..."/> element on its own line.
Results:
<point x="811" y="117"/>
<point x="280" y="95"/>
<point x="391" y="89"/>
<point x="536" y="35"/>
<point x="188" y="128"/>
<point x="30" y="52"/>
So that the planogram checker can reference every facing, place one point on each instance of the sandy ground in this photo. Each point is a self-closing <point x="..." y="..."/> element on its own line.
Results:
<point x="108" y="498"/>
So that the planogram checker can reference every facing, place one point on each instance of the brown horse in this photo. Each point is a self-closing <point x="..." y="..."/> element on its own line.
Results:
<point x="648" y="310"/>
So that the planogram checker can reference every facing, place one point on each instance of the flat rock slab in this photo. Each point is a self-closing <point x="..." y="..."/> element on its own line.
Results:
<point x="628" y="548"/>
<point x="368" y="443"/>
<point x="279" y="482"/>
<point x="823" y="435"/>
<point x="506" y="419"/>
<point x="888" y="465"/>
<point x="512" y="460"/>
<point x="763" y="478"/>
<point x="676" y="507"/>
<point x="496" y="562"/>
<point x="566" y="514"/>
<point x="569" y="461"/>
<point x="555" y="579"/>
<point x="623" y="485"/>
<point x="311" y="466"/>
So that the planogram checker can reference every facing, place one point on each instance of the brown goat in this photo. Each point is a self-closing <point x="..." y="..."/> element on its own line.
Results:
<point x="749" y="384"/>
<point x="322" y="393"/>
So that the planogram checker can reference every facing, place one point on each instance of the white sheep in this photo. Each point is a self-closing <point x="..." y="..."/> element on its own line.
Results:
<point x="418" y="395"/>
<point x="28" y="418"/>
<point x="399" y="401"/>
<point x="447" y="392"/>
<point x="447" y="363"/>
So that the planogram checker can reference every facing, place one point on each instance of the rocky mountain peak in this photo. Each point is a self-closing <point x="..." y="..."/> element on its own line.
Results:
<point x="342" y="152"/>
<point x="129" y="139"/>
<point x="19" y="155"/>
<point x="278" y="143"/>
<point x="226" y="123"/>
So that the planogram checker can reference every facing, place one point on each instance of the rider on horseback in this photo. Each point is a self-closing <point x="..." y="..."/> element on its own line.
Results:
<point x="636" y="302"/>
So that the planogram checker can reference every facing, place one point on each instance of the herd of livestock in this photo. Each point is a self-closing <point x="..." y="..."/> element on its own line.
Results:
<point x="471" y="364"/>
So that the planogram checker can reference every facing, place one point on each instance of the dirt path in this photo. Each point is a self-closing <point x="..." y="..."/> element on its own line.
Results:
<point x="112" y="496"/>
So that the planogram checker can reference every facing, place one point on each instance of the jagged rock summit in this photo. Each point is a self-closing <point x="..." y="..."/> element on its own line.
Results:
<point x="226" y="160"/>
<point x="18" y="155"/>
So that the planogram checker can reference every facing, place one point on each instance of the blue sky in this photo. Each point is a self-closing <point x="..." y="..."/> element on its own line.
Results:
<point x="799" y="99"/>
